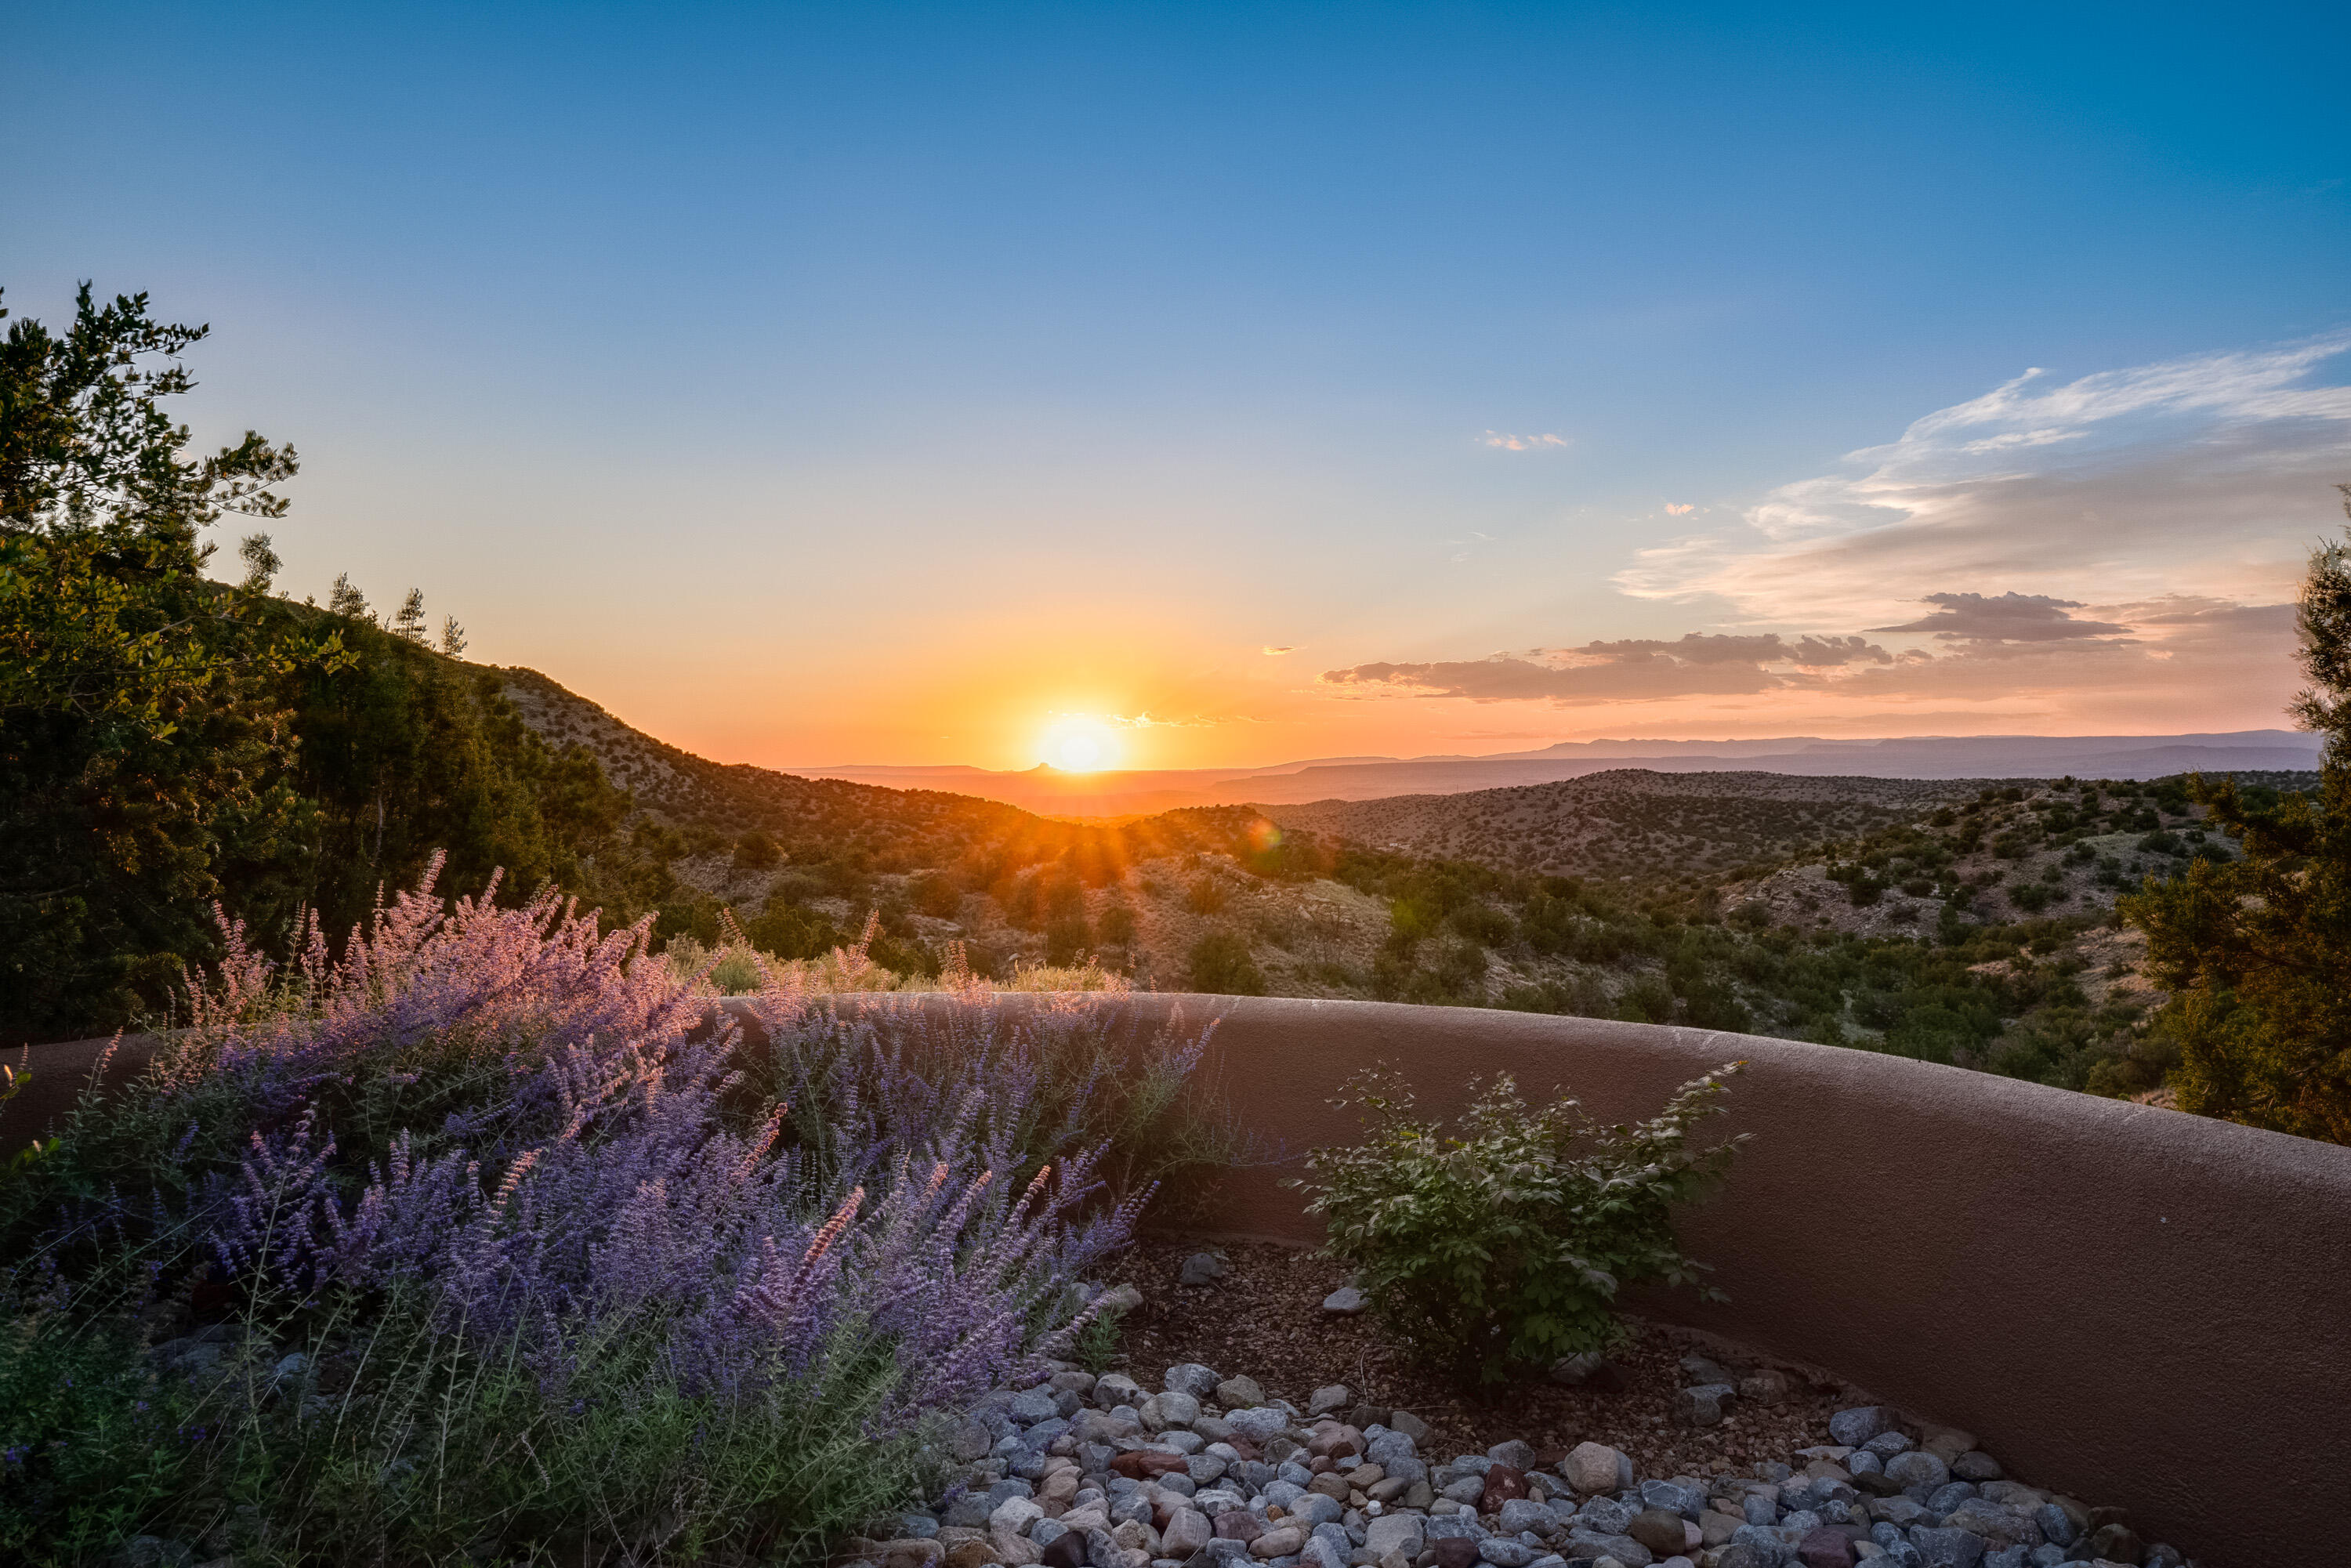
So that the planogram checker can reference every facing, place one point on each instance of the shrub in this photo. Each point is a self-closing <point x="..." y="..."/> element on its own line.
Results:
<point x="568" y="1283"/>
<point x="1206" y="895"/>
<point x="1221" y="964"/>
<point x="1502" y="1247"/>
<point x="755" y="851"/>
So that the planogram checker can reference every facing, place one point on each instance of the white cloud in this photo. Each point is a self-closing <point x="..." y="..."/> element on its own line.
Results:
<point x="1273" y="653"/>
<point x="1679" y="508"/>
<point x="2209" y="474"/>
<point x="1504" y="441"/>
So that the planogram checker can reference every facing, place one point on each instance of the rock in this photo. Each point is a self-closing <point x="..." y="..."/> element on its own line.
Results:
<point x="1201" y="1269"/>
<point x="1234" y="1393"/>
<point x="970" y="1553"/>
<point x="1455" y="1552"/>
<point x="2116" y="1542"/>
<point x="1067" y="1549"/>
<point x="1689" y="1499"/>
<point x="1858" y="1426"/>
<point x="1402" y="1532"/>
<point x="1520" y="1514"/>
<point x="1768" y="1386"/>
<point x="1704" y="1405"/>
<point x="1902" y="1512"/>
<point x="1503" y="1483"/>
<point x="1940" y="1548"/>
<point x="1014" y="1551"/>
<point x="1999" y="1527"/>
<point x="1623" y="1548"/>
<point x="1345" y="1302"/>
<point x="1826" y="1548"/>
<point x="1590" y="1370"/>
<point x="1715" y="1528"/>
<point x="1190" y="1377"/>
<point x="1975" y="1465"/>
<point x="1410" y="1425"/>
<point x="1658" y="1530"/>
<point x="1283" y="1540"/>
<point x="908" y="1551"/>
<point x="1592" y="1467"/>
<point x="1116" y="1388"/>
<point x="1946" y="1443"/>
<point x="1330" y="1484"/>
<point x="968" y="1443"/>
<point x="1705" y="1369"/>
<point x="1518" y="1454"/>
<point x="1741" y="1555"/>
<point x="1329" y="1398"/>
<point x="1916" y="1468"/>
<point x="1033" y="1407"/>
<point x="1014" y="1514"/>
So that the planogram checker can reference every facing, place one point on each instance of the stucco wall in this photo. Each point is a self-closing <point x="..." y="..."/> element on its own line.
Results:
<point x="2132" y="1305"/>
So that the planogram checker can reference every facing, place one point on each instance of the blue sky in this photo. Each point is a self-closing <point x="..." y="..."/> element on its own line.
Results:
<point x="889" y="384"/>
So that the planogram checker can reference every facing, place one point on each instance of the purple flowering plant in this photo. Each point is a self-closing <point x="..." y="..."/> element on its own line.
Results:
<point x="568" y="1253"/>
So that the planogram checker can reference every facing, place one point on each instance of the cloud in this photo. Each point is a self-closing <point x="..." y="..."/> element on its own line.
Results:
<point x="2003" y="618"/>
<point x="2210" y="473"/>
<point x="1505" y="442"/>
<point x="1679" y="508"/>
<point x="1629" y="669"/>
<point x="1272" y="652"/>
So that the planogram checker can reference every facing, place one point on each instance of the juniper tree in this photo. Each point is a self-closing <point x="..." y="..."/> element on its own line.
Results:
<point x="2256" y="953"/>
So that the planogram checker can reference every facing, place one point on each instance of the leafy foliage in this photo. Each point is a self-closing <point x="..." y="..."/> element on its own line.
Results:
<point x="562" y="1276"/>
<point x="1504" y="1247"/>
<point x="141" y="743"/>
<point x="2254" y="949"/>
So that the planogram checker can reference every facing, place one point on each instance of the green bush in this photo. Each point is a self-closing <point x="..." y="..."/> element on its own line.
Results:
<point x="1502" y="1249"/>
<point x="1221" y="964"/>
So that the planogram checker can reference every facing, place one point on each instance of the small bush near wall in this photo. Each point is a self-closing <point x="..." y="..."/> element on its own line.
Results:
<point x="1501" y="1248"/>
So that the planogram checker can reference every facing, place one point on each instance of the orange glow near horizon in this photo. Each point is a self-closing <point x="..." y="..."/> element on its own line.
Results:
<point x="1079" y="743"/>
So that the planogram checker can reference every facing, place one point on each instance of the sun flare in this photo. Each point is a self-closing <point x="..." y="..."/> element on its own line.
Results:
<point x="1079" y="744"/>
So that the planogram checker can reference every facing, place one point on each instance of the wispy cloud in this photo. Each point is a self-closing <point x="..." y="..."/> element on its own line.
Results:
<point x="2208" y="473"/>
<point x="1506" y="441"/>
<point x="1679" y="508"/>
<point x="1270" y="651"/>
<point x="1633" y="668"/>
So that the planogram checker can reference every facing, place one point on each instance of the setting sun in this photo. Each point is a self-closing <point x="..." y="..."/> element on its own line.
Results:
<point x="1079" y="744"/>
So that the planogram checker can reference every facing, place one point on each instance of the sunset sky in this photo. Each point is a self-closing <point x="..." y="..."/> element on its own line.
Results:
<point x="1234" y="383"/>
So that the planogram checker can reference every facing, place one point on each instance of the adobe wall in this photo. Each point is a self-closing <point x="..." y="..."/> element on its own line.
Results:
<point x="2128" y="1304"/>
<point x="2132" y="1305"/>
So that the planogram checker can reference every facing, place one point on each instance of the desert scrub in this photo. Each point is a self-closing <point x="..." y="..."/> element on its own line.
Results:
<point x="1502" y="1247"/>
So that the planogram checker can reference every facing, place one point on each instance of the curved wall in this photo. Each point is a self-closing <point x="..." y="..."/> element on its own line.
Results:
<point x="2132" y="1305"/>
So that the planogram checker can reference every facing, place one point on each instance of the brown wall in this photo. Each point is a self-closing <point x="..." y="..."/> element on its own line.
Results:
<point x="2131" y="1305"/>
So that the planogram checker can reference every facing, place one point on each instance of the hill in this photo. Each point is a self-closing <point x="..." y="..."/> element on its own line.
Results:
<point x="1628" y="823"/>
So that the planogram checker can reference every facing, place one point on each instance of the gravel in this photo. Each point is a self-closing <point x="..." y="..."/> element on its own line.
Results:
<point x="1096" y="1472"/>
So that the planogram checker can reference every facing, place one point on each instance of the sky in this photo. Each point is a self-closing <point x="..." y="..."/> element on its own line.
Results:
<point x="1217" y="385"/>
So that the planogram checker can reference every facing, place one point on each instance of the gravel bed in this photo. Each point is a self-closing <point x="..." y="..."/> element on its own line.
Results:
<point x="1265" y="1311"/>
<point x="1195" y="1466"/>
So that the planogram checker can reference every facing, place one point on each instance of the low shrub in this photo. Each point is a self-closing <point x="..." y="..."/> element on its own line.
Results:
<point x="479" y="1240"/>
<point x="1220" y="963"/>
<point x="1502" y="1247"/>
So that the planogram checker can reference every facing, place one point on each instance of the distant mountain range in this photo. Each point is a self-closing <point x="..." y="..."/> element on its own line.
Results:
<point x="1052" y="792"/>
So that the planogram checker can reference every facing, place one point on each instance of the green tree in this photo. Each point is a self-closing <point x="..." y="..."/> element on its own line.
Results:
<point x="140" y="751"/>
<point x="2256" y="951"/>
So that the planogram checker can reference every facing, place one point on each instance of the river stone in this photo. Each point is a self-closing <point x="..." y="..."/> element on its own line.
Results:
<point x="2116" y="1542"/>
<point x="1286" y="1539"/>
<point x="1503" y="1552"/>
<point x="1858" y="1425"/>
<point x="1190" y="1377"/>
<point x="1454" y="1551"/>
<point x="1999" y="1527"/>
<point x="1344" y="1302"/>
<point x="1592" y="1467"/>
<point x="1658" y="1530"/>
<point x="1402" y="1532"/>
<point x="1918" y="1468"/>
<point x="1826" y="1548"/>
<point x="1768" y="1386"/>
<point x="1329" y="1398"/>
<point x="1704" y="1405"/>
<point x="1238" y="1393"/>
<point x="1940" y="1548"/>
<point x="1410" y="1425"/>
<point x="1975" y="1465"/>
